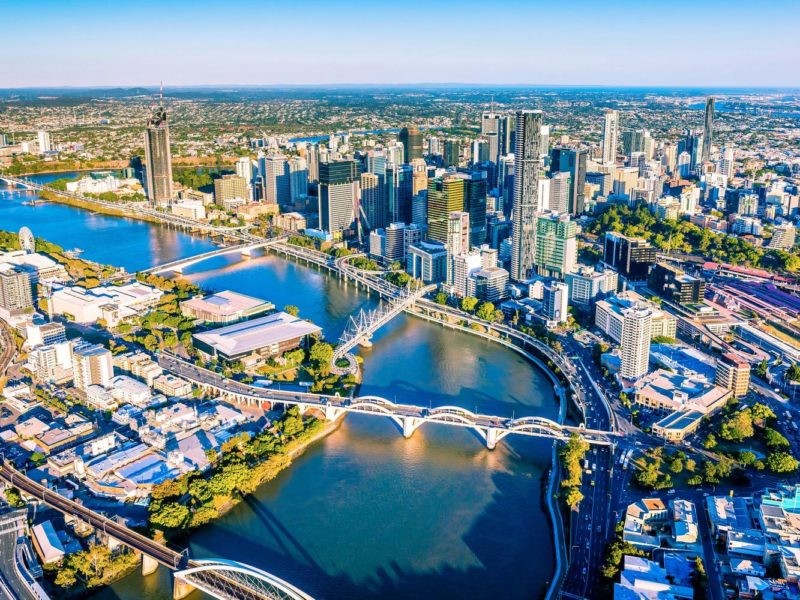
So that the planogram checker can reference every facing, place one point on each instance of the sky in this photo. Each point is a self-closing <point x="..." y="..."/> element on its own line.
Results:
<point x="706" y="43"/>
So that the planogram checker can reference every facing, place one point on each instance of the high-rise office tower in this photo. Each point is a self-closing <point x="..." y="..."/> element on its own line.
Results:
<point x="499" y="125"/>
<point x="338" y="195"/>
<point x="633" y="141"/>
<point x="726" y="163"/>
<point x="480" y="151"/>
<point x="433" y="146"/>
<point x="572" y="161"/>
<point x="708" y="129"/>
<point x="372" y="201"/>
<point x="452" y="153"/>
<point x="527" y="165"/>
<point x="399" y="191"/>
<point x="635" y="347"/>
<point x="298" y="178"/>
<point x="610" y="134"/>
<point x="276" y="180"/>
<point x="631" y="257"/>
<point x="158" y="160"/>
<point x="458" y="235"/>
<point x="556" y="246"/>
<point x="411" y="138"/>
<point x="445" y="195"/>
<point x="420" y="176"/>
<point x="475" y="205"/>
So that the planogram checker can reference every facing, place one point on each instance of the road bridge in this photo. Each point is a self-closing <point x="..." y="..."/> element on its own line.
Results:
<point x="220" y="579"/>
<point x="408" y="417"/>
<point x="245" y="249"/>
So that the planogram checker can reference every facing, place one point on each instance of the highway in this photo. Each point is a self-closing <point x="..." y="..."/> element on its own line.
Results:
<point x="8" y="348"/>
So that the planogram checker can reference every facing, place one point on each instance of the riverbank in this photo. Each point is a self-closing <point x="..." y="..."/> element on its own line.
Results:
<point x="96" y="207"/>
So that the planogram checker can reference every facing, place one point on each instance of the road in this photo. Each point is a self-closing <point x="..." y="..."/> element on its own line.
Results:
<point x="8" y="349"/>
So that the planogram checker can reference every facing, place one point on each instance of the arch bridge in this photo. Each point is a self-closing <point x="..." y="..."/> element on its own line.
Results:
<point x="408" y="417"/>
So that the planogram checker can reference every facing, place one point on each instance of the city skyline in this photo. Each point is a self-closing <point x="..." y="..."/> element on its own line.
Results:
<point x="337" y="43"/>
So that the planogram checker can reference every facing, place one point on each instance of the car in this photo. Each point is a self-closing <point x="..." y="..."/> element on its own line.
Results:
<point x="584" y="571"/>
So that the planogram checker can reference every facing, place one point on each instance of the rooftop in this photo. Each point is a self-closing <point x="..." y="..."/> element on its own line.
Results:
<point x="249" y="336"/>
<point x="228" y="303"/>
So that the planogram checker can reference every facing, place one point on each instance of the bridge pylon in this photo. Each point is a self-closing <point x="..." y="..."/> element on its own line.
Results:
<point x="410" y="425"/>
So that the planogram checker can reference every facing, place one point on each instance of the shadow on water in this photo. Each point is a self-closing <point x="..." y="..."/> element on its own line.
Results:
<point x="505" y="568"/>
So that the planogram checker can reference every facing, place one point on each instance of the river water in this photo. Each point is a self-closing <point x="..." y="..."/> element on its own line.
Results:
<point x="363" y="513"/>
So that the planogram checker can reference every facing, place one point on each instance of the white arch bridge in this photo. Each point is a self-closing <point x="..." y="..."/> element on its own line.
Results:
<point x="245" y="249"/>
<point x="230" y="580"/>
<point x="407" y="417"/>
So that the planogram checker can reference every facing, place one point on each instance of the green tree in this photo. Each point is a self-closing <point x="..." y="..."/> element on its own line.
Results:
<point x="469" y="303"/>
<point x="737" y="427"/>
<point x="291" y="309"/>
<point x="66" y="578"/>
<point x="170" y="515"/>
<point x="573" y="497"/>
<point x="440" y="298"/>
<point x="774" y="439"/>
<point x="747" y="458"/>
<point x="761" y="369"/>
<point x="37" y="458"/>
<point x="710" y="442"/>
<point x="781" y="462"/>
<point x="485" y="311"/>
<point x="321" y="355"/>
<point x="793" y="372"/>
<point x="14" y="497"/>
<point x="761" y="413"/>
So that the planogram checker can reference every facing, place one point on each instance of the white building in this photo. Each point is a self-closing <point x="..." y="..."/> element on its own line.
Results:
<point x="556" y="302"/>
<point x="111" y="303"/>
<point x="43" y="138"/>
<point x="191" y="209"/>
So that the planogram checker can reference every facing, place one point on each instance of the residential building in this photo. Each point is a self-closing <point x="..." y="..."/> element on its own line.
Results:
<point x="783" y="237"/>
<point x="158" y="158"/>
<point x="610" y="137"/>
<point x="643" y="520"/>
<point x="43" y="139"/>
<point x="635" y="342"/>
<point x="526" y="204"/>
<point x="91" y="365"/>
<point x="16" y="290"/>
<point x="462" y="266"/>
<point x="708" y="130"/>
<point x="610" y="313"/>
<point x="276" y="181"/>
<point x="556" y="249"/>
<point x="733" y="373"/>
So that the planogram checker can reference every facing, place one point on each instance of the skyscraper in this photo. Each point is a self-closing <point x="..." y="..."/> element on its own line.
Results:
<point x="338" y="195"/>
<point x="610" y="134"/>
<point x="372" y="203"/>
<point x="445" y="195"/>
<point x="452" y="152"/>
<point x="298" y="178"/>
<point x="527" y="165"/>
<point x="457" y="240"/>
<point x="312" y="158"/>
<point x="556" y="247"/>
<point x="497" y="129"/>
<point x="399" y="191"/>
<point x="572" y="161"/>
<point x="411" y="138"/>
<point x="158" y="160"/>
<point x="276" y="180"/>
<point x="708" y="129"/>
<point x="635" y="345"/>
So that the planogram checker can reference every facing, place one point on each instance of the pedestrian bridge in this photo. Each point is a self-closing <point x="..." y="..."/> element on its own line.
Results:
<point x="408" y="417"/>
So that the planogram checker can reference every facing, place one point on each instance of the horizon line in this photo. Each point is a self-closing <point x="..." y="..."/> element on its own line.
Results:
<point x="402" y="84"/>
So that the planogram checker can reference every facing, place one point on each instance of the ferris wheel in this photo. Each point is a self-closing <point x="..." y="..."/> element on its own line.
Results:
<point x="26" y="240"/>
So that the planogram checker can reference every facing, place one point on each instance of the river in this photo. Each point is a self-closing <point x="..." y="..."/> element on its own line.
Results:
<point x="364" y="513"/>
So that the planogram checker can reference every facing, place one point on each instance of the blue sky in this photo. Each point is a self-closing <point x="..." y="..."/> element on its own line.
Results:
<point x="579" y="42"/>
